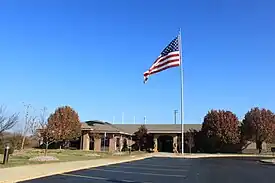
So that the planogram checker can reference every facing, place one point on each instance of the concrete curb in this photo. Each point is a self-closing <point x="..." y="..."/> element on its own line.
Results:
<point x="191" y="156"/>
<point x="46" y="173"/>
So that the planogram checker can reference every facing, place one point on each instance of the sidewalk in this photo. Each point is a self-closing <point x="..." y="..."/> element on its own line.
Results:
<point x="27" y="172"/>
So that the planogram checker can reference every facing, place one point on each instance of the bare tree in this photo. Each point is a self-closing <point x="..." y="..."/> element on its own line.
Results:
<point x="30" y="124"/>
<point x="7" y="121"/>
<point x="190" y="139"/>
<point x="45" y="131"/>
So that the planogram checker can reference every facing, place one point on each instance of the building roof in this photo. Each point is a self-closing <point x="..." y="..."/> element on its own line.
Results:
<point x="159" y="128"/>
<point x="103" y="127"/>
<point x="85" y="126"/>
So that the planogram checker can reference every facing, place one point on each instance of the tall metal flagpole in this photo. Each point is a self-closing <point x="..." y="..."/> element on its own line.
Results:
<point x="181" y="104"/>
<point x="122" y="118"/>
<point x="113" y="119"/>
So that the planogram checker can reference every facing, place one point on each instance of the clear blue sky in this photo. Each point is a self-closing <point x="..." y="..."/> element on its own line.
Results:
<point x="92" y="55"/>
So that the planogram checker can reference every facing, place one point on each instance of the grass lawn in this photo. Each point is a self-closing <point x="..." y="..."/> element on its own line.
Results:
<point x="22" y="158"/>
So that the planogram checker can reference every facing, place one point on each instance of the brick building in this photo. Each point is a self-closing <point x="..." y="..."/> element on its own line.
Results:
<point x="167" y="137"/>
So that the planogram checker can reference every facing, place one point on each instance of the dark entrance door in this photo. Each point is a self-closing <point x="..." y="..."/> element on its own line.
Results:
<point x="92" y="143"/>
<point x="165" y="143"/>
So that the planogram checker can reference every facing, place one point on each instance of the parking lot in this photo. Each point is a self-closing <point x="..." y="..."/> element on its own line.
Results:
<point x="172" y="170"/>
<point x="142" y="171"/>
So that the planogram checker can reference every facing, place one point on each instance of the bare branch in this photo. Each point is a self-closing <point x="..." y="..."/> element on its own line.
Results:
<point x="30" y="123"/>
<point x="45" y="131"/>
<point x="7" y="122"/>
<point x="43" y="119"/>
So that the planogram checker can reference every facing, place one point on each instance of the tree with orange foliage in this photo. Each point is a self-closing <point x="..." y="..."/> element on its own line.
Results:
<point x="65" y="124"/>
<point x="221" y="128"/>
<point x="258" y="126"/>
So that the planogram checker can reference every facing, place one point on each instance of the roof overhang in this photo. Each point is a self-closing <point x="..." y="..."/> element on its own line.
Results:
<point x="163" y="131"/>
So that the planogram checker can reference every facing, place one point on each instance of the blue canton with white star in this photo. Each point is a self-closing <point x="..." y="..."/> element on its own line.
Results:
<point x="173" y="46"/>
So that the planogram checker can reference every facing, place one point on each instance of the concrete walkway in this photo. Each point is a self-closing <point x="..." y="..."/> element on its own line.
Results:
<point x="21" y="173"/>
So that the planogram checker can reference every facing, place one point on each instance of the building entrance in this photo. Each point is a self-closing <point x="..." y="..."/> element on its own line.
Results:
<point x="165" y="143"/>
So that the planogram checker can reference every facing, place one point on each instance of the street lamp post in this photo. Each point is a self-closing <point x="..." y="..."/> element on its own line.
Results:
<point x="6" y="155"/>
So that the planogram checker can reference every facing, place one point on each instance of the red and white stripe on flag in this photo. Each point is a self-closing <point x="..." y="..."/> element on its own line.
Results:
<point x="170" y="57"/>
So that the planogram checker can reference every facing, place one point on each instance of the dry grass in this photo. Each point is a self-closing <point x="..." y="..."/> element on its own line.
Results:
<point x="22" y="158"/>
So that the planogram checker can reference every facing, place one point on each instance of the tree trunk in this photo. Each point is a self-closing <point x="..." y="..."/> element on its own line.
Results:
<point x="46" y="148"/>
<point x="259" y="146"/>
<point x="23" y="143"/>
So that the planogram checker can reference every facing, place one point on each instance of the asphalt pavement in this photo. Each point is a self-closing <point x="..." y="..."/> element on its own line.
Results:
<point x="172" y="170"/>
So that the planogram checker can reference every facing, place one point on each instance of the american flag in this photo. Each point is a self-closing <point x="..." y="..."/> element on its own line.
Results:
<point x="169" y="57"/>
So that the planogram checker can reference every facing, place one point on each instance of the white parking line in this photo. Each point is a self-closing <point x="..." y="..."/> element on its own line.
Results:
<point x="98" y="178"/>
<point x="146" y="168"/>
<point x="143" y="164"/>
<point x="140" y="173"/>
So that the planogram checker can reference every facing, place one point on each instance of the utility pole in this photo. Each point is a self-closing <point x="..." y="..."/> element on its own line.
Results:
<point x="175" y="116"/>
